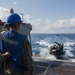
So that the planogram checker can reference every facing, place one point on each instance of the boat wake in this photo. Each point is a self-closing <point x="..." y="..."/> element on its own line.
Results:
<point x="44" y="47"/>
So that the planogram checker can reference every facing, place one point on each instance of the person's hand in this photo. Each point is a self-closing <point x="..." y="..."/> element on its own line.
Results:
<point x="5" y="55"/>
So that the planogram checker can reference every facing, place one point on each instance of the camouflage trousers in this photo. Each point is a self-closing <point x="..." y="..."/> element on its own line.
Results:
<point x="16" y="73"/>
<point x="9" y="70"/>
<point x="12" y="72"/>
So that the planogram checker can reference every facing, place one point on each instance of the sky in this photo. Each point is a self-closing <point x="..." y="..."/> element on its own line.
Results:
<point x="45" y="16"/>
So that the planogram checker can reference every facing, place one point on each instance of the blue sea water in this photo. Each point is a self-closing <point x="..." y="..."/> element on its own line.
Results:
<point x="41" y="44"/>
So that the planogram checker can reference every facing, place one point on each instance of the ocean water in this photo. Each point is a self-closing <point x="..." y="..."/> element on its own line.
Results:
<point x="41" y="44"/>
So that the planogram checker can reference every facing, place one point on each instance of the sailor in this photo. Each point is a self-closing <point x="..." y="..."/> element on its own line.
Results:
<point x="16" y="49"/>
<point x="11" y="10"/>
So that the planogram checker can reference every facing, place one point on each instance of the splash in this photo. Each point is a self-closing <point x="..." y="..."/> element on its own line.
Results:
<point x="46" y="43"/>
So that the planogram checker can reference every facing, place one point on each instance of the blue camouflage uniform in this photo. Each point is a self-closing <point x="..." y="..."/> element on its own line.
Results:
<point x="13" y="43"/>
<point x="20" y="62"/>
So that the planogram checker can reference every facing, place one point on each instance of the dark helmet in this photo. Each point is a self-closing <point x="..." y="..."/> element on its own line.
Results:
<point x="14" y="18"/>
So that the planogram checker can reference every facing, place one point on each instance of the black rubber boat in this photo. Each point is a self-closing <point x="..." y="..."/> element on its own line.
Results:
<point x="57" y="50"/>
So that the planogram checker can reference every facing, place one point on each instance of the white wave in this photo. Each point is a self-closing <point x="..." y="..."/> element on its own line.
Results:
<point x="68" y="48"/>
<point x="69" y="43"/>
<point x="48" y="42"/>
<point x="44" y="42"/>
<point x="70" y="54"/>
<point x="44" y="53"/>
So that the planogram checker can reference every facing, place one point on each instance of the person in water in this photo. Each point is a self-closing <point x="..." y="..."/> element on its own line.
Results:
<point x="16" y="50"/>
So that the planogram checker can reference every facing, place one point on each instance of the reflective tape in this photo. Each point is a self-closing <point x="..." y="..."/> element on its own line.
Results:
<point x="10" y="41"/>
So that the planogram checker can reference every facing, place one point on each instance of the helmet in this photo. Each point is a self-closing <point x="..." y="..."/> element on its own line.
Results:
<point x="14" y="18"/>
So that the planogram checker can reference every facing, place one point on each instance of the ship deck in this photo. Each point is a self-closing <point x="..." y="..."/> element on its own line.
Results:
<point x="51" y="67"/>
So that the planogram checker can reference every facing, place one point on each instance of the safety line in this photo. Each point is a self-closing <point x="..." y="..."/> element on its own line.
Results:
<point x="47" y="69"/>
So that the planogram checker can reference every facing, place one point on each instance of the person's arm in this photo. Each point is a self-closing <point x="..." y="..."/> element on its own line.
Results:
<point x="4" y="56"/>
<point x="28" y="57"/>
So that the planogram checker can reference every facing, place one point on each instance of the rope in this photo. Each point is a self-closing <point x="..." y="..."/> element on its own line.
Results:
<point x="47" y="69"/>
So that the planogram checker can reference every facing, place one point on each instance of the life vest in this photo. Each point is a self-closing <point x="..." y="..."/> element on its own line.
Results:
<point x="13" y="42"/>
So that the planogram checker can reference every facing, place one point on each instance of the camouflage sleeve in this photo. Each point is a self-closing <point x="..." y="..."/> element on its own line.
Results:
<point x="27" y="58"/>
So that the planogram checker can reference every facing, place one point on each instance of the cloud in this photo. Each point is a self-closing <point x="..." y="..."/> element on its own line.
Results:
<point x="15" y="3"/>
<point x="36" y="22"/>
<point x="64" y="26"/>
<point x="47" y="21"/>
<point x="44" y="25"/>
<point x="3" y="13"/>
